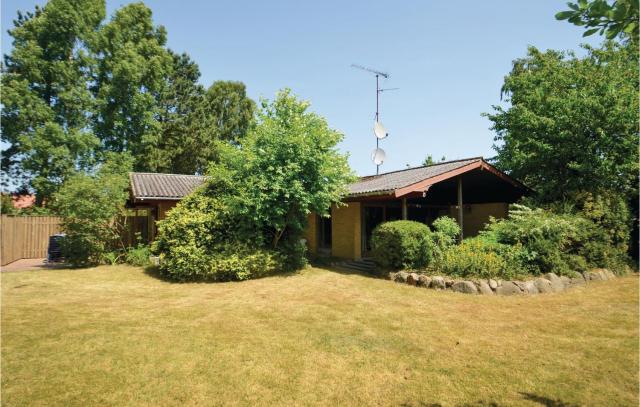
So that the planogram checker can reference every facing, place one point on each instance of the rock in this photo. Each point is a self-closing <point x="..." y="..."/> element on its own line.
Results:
<point x="556" y="283"/>
<point x="493" y="284"/>
<point x="424" y="281"/>
<point x="448" y="282"/>
<point x="485" y="288"/>
<point x="508" y="288"/>
<point x="543" y="285"/>
<point x="466" y="287"/>
<point x="438" y="283"/>
<point x="609" y="273"/>
<point x="592" y="275"/>
<point x="401" y="277"/>
<point x="392" y="276"/>
<point x="520" y="285"/>
<point x="530" y="287"/>
<point x="577" y="281"/>
<point x="566" y="281"/>
<point x="499" y="282"/>
<point x="412" y="279"/>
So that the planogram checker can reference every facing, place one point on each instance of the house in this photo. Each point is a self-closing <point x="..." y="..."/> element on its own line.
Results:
<point x="469" y="190"/>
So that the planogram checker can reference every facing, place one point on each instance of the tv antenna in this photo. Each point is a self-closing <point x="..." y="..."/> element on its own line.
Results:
<point x="378" y="155"/>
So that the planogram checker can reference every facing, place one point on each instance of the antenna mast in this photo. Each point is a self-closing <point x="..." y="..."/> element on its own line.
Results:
<point x="378" y="155"/>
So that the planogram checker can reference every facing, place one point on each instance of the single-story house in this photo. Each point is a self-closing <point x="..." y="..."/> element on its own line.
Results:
<point x="469" y="190"/>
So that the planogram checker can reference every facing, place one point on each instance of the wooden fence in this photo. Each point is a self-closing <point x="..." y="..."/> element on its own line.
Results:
<point x="26" y="237"/>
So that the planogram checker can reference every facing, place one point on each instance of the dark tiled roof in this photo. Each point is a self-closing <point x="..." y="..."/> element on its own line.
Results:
<point x="145" y="185"/>
<point x="391" y="181"/>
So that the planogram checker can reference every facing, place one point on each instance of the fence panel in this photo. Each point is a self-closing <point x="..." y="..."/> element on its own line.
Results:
<point x="26" y="237"/>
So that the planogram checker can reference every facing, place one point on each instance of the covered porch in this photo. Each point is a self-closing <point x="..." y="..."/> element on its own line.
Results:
<point x="470" y="191"/>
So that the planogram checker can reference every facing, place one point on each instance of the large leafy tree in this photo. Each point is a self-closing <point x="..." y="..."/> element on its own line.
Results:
<point x="616" y="19"/>
<point x="287" y="166"/>
<point x="131" y="71"/>
<point x="571" y="124"/>
<point x="46" y="102"/>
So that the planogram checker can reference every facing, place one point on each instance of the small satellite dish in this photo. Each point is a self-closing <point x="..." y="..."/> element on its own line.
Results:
<point x="377" y="156"/>
<point x="379" y="131"/>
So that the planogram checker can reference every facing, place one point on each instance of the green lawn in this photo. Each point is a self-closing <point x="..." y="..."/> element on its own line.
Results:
<point x="117" y="336"/>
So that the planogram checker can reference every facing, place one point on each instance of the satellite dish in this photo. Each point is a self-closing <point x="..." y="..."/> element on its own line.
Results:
<point x="377" y="156"/>
<point x="379" y="131"/>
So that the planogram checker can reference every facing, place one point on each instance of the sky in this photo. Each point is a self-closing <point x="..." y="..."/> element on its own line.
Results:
<point x="448" y="59"/>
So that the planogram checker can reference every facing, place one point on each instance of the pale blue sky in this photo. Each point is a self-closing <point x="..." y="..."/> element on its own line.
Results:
<point x="447" y="57"/>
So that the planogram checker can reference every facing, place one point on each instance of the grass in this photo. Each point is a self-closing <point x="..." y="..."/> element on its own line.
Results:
<point x="117" y="336"/>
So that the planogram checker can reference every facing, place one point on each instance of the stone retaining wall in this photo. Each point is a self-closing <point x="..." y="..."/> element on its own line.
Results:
<point x="547" y="283"/>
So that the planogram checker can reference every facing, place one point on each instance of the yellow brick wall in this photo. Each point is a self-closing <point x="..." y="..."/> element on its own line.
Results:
<point x="311" y="233"/>
<point x="346" y="232"/>
<point x="475" y="220"/>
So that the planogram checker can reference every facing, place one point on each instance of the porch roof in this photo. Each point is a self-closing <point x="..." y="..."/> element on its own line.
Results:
<point x="419" y="179"/>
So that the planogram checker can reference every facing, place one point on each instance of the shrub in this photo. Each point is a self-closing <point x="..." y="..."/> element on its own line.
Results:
<point x="402" y="244"/>
<point x="478" y="257"/>
<point x="138" y="255"/>
<point x="446" y="232"/>
<point x="91" y="206"/>
<point x="201" y="239"/>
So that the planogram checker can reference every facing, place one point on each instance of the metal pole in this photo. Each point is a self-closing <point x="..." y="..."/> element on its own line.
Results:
<point x="460" y="211"/>
<point x="377" y="141"/>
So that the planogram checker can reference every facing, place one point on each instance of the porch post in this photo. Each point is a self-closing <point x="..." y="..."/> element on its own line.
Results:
<point x="404" y="208"/>
<point x="460" y="210"/>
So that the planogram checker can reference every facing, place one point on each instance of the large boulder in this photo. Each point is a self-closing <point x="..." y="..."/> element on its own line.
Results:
<point x="493" y="284"/>
<point x="530" y="287"/>
<point x="466" y="287"/>
<point x="566" y="281"/>
<point x="424" y="281"/>
<point x="437" y="282"/>
<point x="557" y="284"/>
<point x="508" y="288"/>
<point x="609" y="273"/>
<point x="543" y="285"/>
<point x="485" y="288"/>
<point x="412" y="279"/>
<point x="401" y="277"/>
<point x="593" y="275"/>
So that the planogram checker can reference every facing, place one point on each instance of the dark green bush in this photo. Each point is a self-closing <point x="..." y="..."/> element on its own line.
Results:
<point x="402" y="244"/>
<point x="138" y="255"/>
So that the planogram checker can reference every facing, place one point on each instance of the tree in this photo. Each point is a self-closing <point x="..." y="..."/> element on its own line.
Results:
<point x="572" y="123"/>
<point x="430" y="161"/>
<point x="46" y="103"/>
<point x="288" y="167"/>
<point x="182" y="115"/>
<point x="620" y="18"/>
<point x="131" y="70"/>
<point x="248" y="219"/>
<point x="92" y="206"/>
<point x="229" y="110"/>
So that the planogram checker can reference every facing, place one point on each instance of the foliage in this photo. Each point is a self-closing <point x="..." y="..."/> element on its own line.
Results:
<point x="620" y="18"/>
<point x="482" y="258"/>
<point x="402" y="244"/>
<point x="91" y="206"/>
<point x="573" y="122"/>
<point x="430" y="161"/>
<point x="287" y="167"/>
<point x="6" y="205"/>
<point x="76" y="86"/>
<point x="257" y="198"/>
<point x="45" y="96"/>
<point x="138" y="255"/>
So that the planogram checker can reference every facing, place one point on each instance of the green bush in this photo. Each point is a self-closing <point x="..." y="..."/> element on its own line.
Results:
<point x="202" y="240"/>
<point x="445" y="234"/>
<point x="91" y="206"/>
<point x="402" y="244"/>
<point x="482" y="258"/>
<point x="138" y="255"/>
